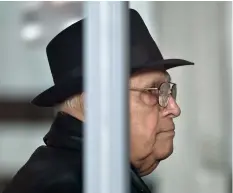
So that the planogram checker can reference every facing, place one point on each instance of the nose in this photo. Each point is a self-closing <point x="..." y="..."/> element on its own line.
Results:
<point x="172" y="108"/>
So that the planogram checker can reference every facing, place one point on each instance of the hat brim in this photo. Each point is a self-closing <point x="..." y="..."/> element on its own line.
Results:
<point x="74" y="85"/>
<point x="59" y="92"/>
<point x="164" y="64"/>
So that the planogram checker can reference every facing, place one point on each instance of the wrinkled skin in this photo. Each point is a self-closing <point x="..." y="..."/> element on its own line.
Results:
<point x="151" y="126"/>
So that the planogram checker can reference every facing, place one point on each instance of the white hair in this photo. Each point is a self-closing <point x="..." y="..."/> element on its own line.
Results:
<point x="74" y="102"/>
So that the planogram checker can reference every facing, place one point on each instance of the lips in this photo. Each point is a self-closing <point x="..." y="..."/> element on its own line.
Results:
<point x="167" y="128"/>
<point x="172" y="130"/>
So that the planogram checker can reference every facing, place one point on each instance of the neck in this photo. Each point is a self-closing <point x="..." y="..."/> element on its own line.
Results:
<point x="146" y="165"/>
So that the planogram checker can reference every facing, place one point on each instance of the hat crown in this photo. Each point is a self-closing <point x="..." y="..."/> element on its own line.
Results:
<point x="65" y="51"/>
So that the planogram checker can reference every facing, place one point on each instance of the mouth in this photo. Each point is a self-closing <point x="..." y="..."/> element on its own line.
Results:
<point x="167" y="132"/>
<point x="170" y="130"/>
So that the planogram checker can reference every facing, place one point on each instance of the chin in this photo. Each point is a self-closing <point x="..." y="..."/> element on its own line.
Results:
<point x="163" y="150"/>
<point x="165" y="155"/>
<point x="150" y="170"/>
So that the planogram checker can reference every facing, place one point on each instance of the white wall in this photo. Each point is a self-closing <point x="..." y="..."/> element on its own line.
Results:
<point x="197" y="31"/>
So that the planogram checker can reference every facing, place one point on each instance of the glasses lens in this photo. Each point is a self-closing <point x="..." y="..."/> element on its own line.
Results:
<point x="164" y="89"/>
<point x="174" y="91"/>
<point x="163" y="100"/>
<point x="164" y="92"/>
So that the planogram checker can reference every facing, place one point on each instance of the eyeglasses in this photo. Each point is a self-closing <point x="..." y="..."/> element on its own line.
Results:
<point x="163" y="92"/>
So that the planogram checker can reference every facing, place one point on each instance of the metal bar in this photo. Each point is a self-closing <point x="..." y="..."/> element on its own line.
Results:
<point x="106" y="157"/>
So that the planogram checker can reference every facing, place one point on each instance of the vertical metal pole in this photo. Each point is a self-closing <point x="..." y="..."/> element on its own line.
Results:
<point x="106" y="163"/>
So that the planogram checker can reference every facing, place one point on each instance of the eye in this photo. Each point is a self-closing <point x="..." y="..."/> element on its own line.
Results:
<point x="150" y="96"/>
<point x="165" y="89"/>
<point x="153" y="91"/>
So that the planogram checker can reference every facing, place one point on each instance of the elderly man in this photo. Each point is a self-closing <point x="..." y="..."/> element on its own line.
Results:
<point x="57" y="166"/>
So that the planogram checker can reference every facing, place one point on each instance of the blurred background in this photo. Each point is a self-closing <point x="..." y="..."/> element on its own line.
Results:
<point x="196" y="31"/>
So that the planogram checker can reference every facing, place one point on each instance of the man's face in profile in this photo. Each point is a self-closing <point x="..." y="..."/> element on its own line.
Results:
<point x="152" y="109"/>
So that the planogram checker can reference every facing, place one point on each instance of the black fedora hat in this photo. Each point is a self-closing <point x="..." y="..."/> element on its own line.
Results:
<point x="65" y="56"/>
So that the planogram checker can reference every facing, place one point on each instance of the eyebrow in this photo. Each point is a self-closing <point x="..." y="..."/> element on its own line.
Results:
<point x="157" y="83"/>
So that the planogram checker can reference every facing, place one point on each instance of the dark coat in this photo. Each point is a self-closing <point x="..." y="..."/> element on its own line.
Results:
<point x="57" y="166"/>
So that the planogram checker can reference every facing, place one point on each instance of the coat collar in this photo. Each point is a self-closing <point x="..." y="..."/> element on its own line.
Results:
<point x="67" y="132"/>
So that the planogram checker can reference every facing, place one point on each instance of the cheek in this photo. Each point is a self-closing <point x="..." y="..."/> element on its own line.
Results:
<point x="152" y="119"/>
<point x="144" y="123"/>
<point x="149" y="100"/>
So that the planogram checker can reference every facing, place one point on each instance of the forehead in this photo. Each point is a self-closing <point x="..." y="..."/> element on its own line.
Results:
<point x="149" y="78"/>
